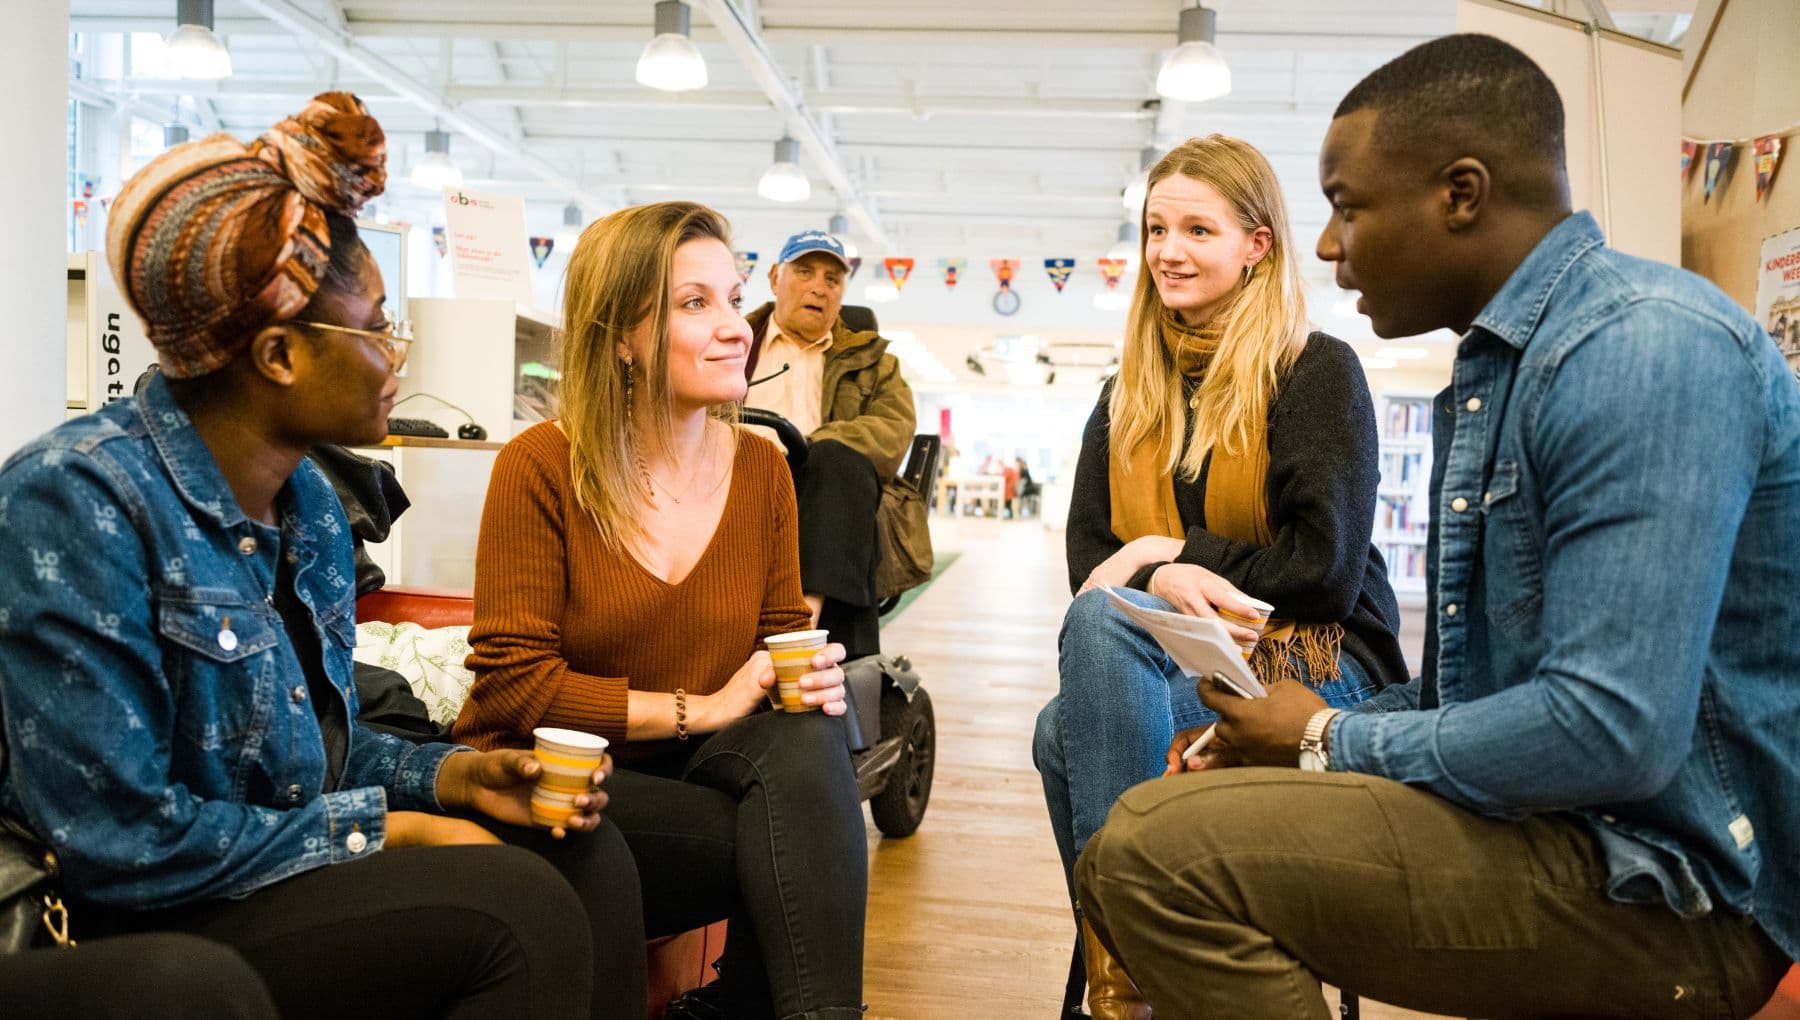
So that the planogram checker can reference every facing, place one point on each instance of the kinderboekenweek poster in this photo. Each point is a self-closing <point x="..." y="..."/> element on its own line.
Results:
<point x="1778" y="293"/>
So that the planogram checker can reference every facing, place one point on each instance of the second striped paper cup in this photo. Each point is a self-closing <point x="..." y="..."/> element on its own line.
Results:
<point x="793" y="654"/>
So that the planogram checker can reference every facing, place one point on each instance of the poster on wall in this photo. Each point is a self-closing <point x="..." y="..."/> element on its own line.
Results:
<point x="108" y="349"/>
<point x="487" y="245"/>
<point x="1778" y="293"/>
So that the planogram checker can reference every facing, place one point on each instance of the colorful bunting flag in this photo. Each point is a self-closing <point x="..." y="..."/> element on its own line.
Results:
<point x="898" y="270"/>
<point x="1688" y="151"/>
<point x="440" y="239"/>
<point x="951" y="267"/>
<point x="1768" y="157"/>
<point x="855" y="264"/>
<point x="540" y="249"/>
<point x="1059" y="270"/>
<point x="1112" y="271"/>
<point x="88" y="184"/>
<point x="746" y="264"/>
<point x="81" y="211"/>
<point x="1004" y="270"/>
<point x="1718" y="160"/>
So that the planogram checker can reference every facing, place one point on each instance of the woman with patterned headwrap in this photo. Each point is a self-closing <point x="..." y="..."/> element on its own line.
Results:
<point x="177" y="622"/>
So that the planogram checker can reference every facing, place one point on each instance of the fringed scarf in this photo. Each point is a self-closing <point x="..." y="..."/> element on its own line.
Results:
<point x="1237" y="508"/>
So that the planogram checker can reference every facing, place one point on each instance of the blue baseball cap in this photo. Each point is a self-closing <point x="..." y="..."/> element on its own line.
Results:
<point x="811" y="241"/>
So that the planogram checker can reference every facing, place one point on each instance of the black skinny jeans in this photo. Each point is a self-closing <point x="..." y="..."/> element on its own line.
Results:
<point x="759" y="823"/>
<point x="455" y="932"/>
<point x="166" y="976"/>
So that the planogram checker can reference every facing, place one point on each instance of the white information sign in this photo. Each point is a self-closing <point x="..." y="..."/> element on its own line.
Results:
<point x="487" y="245"/>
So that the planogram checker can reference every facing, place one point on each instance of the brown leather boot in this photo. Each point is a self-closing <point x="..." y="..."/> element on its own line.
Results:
<point x="1110" y="993"/>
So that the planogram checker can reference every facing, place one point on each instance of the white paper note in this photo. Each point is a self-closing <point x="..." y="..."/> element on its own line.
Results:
<point x="1201" y="647"/>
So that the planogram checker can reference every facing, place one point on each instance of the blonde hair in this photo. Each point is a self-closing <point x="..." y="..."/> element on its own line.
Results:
<point x="619" y="280"/>
<point x="1261" y="331"/>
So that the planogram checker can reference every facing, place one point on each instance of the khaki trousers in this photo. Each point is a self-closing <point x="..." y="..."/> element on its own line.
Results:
<point x="1233" y="894"/>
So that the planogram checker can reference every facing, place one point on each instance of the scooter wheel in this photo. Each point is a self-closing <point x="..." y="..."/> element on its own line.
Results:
<point x="900" y="807"/>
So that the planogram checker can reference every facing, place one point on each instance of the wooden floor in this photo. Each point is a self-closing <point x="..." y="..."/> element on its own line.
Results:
<point x="969" y="917"/>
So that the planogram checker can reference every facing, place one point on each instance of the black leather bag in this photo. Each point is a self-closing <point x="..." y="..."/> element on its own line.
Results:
<point x="31" y="907"/>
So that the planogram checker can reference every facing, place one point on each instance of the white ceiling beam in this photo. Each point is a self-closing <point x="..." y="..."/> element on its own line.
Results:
<point x="515" y="124"/>
<point x="334" y="17"/>
<point x="835" y="101"/>
<point x="340" y="45"/>
<point x="90" y="94"/>
<point x="523" y="29"/>
<point x="1598" y="14"/>
<point x="676" y="140"/>
<point x="209" y="115"/>
<point x="747" y="43"/>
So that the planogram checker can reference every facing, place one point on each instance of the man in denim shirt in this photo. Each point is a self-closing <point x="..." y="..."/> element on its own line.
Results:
<point x="1587" y="804"/>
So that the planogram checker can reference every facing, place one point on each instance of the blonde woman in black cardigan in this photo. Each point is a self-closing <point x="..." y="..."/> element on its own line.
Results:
<point x="1232" y="459"/>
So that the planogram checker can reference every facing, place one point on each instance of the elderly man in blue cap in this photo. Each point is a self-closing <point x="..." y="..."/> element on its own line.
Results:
<point x="843" y="390"/>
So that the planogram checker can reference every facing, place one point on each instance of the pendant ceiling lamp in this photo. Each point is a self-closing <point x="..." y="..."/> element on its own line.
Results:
<point x="840" y="229"/>
<point x="670" y="60"/>
<point x="1195" y="72"/>
<point x="437" y="171"/>
<point x="1139" y="188"/>
<point x="570" y="234"/>
<point x="192" y="51"/>
<point x="785" y="181"/>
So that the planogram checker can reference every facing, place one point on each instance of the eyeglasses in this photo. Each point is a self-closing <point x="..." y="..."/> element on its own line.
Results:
<point x="396" y="340"/>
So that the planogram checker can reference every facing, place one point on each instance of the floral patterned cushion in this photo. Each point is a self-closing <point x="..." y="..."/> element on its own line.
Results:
<point x="430" y="660"/>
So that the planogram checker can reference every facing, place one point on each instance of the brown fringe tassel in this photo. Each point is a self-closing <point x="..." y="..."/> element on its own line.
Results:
<point x="1317" y="645"/>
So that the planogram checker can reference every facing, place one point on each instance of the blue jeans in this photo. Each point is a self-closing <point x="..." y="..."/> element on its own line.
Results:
<point x="1122" y="700"/>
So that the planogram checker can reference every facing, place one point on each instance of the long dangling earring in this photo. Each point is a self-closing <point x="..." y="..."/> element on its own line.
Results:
<point x="1248" y="266"/>
<point x="637" y="446"/>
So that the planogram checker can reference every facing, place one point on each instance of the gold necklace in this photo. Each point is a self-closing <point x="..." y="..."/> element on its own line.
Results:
<point x="686" y="490"/>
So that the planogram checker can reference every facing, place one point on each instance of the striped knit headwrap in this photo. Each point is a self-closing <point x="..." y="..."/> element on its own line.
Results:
<point x="215" y="239"/>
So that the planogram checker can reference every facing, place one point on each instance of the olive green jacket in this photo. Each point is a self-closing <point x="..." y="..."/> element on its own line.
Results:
<point x="866" y="405"/>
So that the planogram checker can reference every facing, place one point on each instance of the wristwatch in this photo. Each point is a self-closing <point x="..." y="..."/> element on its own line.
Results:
<point x="1313" y="754"/>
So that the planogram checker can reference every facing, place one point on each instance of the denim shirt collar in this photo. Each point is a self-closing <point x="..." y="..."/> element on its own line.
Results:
<point x="190" y="462"/>
<point x="1514" y="313"/>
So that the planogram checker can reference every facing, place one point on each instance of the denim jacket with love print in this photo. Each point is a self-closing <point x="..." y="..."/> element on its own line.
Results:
<point x="158" y="725"/>
<point x="1614" y="583"/>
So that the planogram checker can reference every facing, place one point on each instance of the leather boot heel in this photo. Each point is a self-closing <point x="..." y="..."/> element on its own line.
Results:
<point x="1110" y="993"/>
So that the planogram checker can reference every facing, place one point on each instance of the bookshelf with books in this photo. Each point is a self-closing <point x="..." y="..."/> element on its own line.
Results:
<point x="1402" y="504"/>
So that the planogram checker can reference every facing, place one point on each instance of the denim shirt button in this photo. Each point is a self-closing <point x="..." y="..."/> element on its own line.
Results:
<point x="1450" y="610"/>
<point x="1459" y="504"/>
<point x="356" y="842"/>
<point x="294" y="792"/>
<point x="1474" y="404"/>
<point x="292" y="557"/>
<point x="297" y="695"/>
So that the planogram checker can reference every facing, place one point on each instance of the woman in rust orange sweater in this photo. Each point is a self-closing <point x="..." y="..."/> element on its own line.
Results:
<point x="632" y="556"/>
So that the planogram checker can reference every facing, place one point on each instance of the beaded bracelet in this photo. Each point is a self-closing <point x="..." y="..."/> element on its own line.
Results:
<point x="681" y="732"/>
